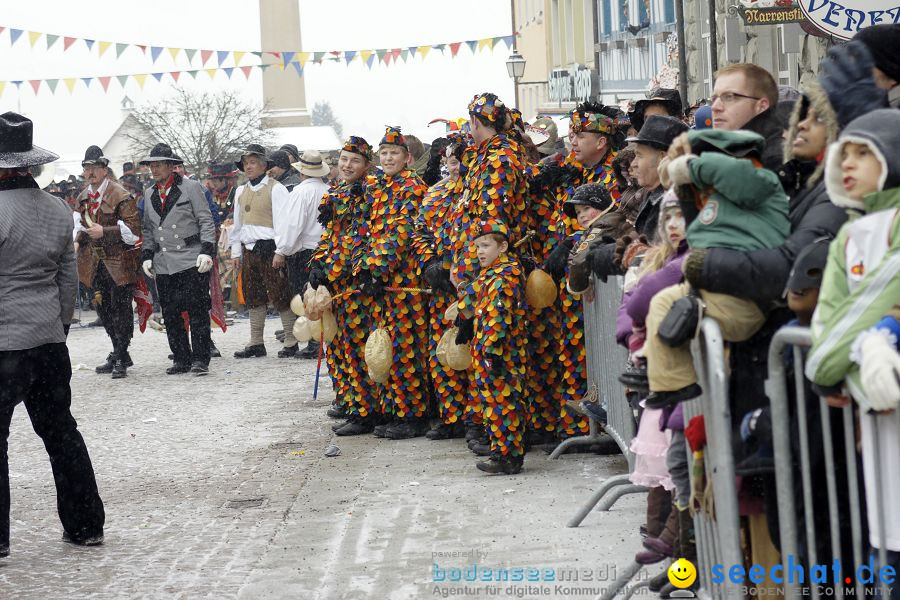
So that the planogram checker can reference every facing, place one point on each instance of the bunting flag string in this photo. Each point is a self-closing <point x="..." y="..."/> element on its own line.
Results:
<point x="286" y="57"/>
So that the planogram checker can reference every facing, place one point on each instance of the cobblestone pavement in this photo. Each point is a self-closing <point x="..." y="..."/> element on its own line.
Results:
<point x="217" y="487"/>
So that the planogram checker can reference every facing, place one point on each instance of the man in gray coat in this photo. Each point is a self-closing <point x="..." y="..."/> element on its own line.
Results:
<point x="38" y="284"/>
<point x="179" y="243"/>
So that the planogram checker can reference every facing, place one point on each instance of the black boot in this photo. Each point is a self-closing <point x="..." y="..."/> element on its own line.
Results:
<point x="251" y="351"/>
<point x="445" y="431"/>
<point x="474" y="432"/>
<point x="337" y="411"/>
<point x="505" y="465"/>
<point x="356" y="425"/>
<point x="481" y="449"/>
<point x="289" y="351"/>
<point x="213" y="351"/>
<point x="664" y="399"/>
<point x="311" y="350"/>
<point x="407" y="429"/>
<point x="107" y="367"/>
<point x="178" y="368"/>
<point x="119" y="371"/>
<point x="199" y="368"/>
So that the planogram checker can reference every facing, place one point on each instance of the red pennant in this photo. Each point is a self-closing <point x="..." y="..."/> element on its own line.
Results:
<point x="246" y="69"/>
<point x="454" y="48"/>
<point x="396" y="52"/>
<point x="35" y="84"/>
<point x="68" y="41"/>
<point x="175" y="75"/>
<point x="387" y="57"/>
<point x="276" y="55"/>
<point x="143" y="48"/>
<point x="204" y="56"/>
<point x="104" y="81"/>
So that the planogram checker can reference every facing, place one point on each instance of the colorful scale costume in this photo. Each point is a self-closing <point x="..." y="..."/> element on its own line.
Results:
<point x="394" y="202"/>
<point x="432" y="241"/>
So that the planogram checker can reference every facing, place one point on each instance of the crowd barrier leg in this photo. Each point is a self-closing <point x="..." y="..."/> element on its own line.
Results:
<point x="593" y="437"/>
<point x="619" y="485"/>
<point x="626" y="575"/>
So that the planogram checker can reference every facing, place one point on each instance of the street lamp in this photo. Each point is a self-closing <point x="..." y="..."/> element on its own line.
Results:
<point x="515" y="64"/>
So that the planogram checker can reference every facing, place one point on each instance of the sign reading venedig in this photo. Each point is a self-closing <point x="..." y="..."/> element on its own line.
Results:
<point x="843" y="18"/>
<point x="573" y="85"/>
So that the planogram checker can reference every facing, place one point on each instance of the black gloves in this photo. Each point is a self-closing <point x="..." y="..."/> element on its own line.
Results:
<point x="498" y="366"/>
<point x="466" y="330"/>
<point x="555" y="264"/>
<point x="326" y="214"/>
<point x="317" y="277"/>
<point x="371" y="286"/>
<point x="66" y="329"/>
<point x="602" y="261"/>
<point x="846" y="76"/>
<point x="438" y="278"/>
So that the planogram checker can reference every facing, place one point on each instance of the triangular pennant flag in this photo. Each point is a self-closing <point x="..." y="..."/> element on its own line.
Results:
<point x="204" y="56"/>
<point x="141" y="78"/>
<point x="33" y="37"/>
<point x="18" y="84"/>
<point x="120" y="48"/>
<point x="2" y="29"/>
<point x="303" y="58"/>
<point x="175" y="75"/>
<point x="349" y="55"/>
<point x="228" y="71"/>
<point x="158" y="76"/>
<point x="317" y="57"/>
<point x="484" y="43"/>
<point x="413" y="50"/>
<point x="246" y="70"/>
<point x="509" y="40"/>
<point x="287" y="57"/>
<point x="192" y="73"/>
<point x="143" y="48"/>
<point x="454" y="48"/>
<point x="495" y="41"/>
<point x="68" y="41"/>
<point x="298" y="67"/>
<point x="51" y="39"/>
<point x="370" y="61"/>
<point x="388" y="56"/>
<point x="472" y="44"/>
<point x="265" y="66"/>
<point x="104" y="81"/>
<point x="173" y="52"/>
<point x="380" y="54"/>
<point x="155" y="51"/>
<point x="275" y="54"/>
<point x="89" y="44"/>
<point x="103" y="47"/>
<point x="35" y="84"/>
<point x="123" y="79"/>
<point x="211" y="73"/>
<point x="439" y="47"/>
<point x="51" y="83"/>
<point x="238" y="56"/>
<point x="409" y="54"/>
<point x="257" y="54"/>
<point x="396" y="53"/>
<point x="190" y="52"/>
<point x="423" y="51"/>
<point x="14" y="35"/>
<point x="222" y="56"/>
<point x="364" y="55"/>
<point x="87" y="81"/>
<point x="70" y="83"/>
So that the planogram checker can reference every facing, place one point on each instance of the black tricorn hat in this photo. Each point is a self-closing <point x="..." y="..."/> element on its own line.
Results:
<point x="94" y="156"/>
<point x="161" y="152"/>
<point x="671" y="99"/>
<point x="259" y="151"/>
<point x="221" y="170"/>
<point x="659" y="132"/>
<point x="16" y="149"/>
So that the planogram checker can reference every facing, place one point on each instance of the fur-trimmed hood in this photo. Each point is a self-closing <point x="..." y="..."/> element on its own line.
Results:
<point x="812" y="96"/>
<point x="880" y="131"/>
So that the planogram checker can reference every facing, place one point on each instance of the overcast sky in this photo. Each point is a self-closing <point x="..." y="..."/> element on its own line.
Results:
<point x="409" y="95"/>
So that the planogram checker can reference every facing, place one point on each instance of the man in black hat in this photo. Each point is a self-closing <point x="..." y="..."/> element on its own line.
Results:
<point x="259" y="247"/>
<point x="292" y="150"/>
<point x="179" y="243"/>
<point x="662" y="101"/>
<point x="221" y="180"/>
<point x="282" y="170"/>
<point x="108" y="229"/>
<point x="38" y="282"/>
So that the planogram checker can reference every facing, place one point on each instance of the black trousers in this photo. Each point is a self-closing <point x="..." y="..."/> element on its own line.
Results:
<point x="298" y="270"/>
<point x="39" y="378"/>
<point x="115" y="310"/>
<point x="186" y="291"/>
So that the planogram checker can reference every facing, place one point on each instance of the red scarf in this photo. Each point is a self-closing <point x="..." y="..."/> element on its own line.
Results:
<point x="164" y="189"/>
<point x="95" y="201"/>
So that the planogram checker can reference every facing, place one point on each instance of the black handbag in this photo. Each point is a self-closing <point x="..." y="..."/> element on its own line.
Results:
<point x="680" y="324"/>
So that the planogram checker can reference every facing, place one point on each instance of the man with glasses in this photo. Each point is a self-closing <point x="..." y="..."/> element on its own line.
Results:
<point x="744" y="97"/>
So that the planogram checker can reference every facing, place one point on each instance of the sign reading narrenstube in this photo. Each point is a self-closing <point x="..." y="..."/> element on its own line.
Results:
<point x="844" y="18"/>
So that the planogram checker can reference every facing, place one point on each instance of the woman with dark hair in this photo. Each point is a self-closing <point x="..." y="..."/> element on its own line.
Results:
<point x="629" y="201"/>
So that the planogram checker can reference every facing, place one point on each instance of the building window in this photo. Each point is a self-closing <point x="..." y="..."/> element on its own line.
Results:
<point x="570" y="32"/>
<point x="605" y="16"/>
<point x="643" y="16"/>
<point x="555" y="31"/>
<point x="623" y="19"/>
<point x="669" y="10"/>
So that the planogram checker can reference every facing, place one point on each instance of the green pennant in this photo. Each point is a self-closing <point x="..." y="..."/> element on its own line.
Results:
<point x="192" y="73"/>
<point x="257" y="54"/>
<point x="123" y="79"/>
<point x="380" y="54"/>
<point x="120" y="48"/>
<point x="264" y="66"/>
<point x="51" y="39"/>
<point x="51" y="83"/>
<point x="317" y="57"/>
<point x="190" y="52"/>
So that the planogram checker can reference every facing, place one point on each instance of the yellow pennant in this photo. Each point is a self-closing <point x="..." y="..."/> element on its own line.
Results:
<point x="2" y="87"/>
<point x="303" y="58"/>
<point x="365" y="55"/>
<point x="33" y="37"/>
<point x="174" y="53"/>
<point x="423" y="51"/>
<point x="70" y="83"/>
<point x="103" y="47"/>
<point x="140" y="79"/>
<point x="211" y="73"/>
<point x="238" y="55"/>
<point x="485" y="43"/>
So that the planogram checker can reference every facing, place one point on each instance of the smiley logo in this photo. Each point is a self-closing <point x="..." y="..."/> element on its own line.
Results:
<point x="682" y="573"/>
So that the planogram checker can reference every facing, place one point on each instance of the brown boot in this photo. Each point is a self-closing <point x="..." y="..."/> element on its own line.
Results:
<point x="659" y="501"/>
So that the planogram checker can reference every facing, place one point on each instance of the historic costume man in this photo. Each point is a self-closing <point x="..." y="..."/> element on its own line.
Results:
<point x="179" y="243"/>
<point x="259" y="249"/>
<point x="107" y="230"/>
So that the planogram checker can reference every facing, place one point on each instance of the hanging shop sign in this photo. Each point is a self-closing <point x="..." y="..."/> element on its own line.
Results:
<point x="768" y="12"/>
<point x="575" y="84"/>
<point x="842" y="19"/>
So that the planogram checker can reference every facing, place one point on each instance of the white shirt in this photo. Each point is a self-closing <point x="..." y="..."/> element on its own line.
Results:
<point x="302" y="230"/>
<point x="248" y="235"/>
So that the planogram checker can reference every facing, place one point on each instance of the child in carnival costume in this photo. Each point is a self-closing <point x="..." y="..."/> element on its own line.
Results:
<point x="344" y="213"/>
<point x="494" y="305"/>
<point x="395" y="194"/>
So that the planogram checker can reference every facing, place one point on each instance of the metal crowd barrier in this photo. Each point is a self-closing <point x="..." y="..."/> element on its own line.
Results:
<point x="605" y="360"/>
<point x="793" y="540"/>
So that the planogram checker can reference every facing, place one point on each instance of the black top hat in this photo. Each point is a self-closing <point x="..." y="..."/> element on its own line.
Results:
<point x="671" y="99"/>
<point x="292" y="150"/>
<point x="280" y="158"/>
<point x="161" y="153"/>
<point x="16" y="149"/>
<point x="222" y="170"/>
<point x="659" y="131"/>
<point x="128" y="166"/>
<point x="589" y="194"/>
<point x="809" y="266"/>
<point x="259" y="151"/>
<point x="94" y="156"/>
